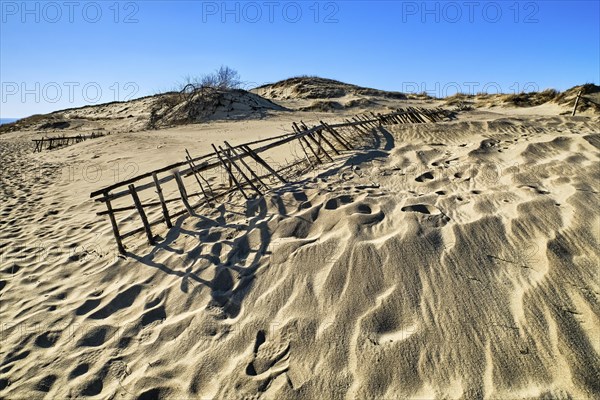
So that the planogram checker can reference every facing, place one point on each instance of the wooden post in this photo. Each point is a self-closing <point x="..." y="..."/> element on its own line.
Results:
<point x="322" y="136"/>
<point x="229" y="176"/>
<point x="296" y="128"/>
<point x="183" y="193"/>
<point x="307" y="143"/>
<point x="113" y="223"/>
<point x="377" y="118"/>
<point x="336" y="136"/>
<point x="358" y="129"/>
<point x="305" y="152"/>
<point x="230" y="172"/>
<point x="262" y="162"/>
<point x="576" y="103"/>
<point x="420" y="117"/>
<point x="319" y="146"/>
<point x="201" y="176"/>
<point x="302" y="141"/>
<point x="165" y="210"/>
<point x="237" y="167"/>
<point x="241" y="158"/>
<point x="193" y="167"/>
<point x="366" y="121"/>
<point x="140" y="209"/>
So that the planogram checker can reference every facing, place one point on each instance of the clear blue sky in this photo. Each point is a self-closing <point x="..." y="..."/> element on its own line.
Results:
<point x="62" y="54"/>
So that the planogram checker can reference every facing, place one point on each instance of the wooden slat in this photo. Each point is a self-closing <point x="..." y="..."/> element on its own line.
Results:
<point x="237" y="167"/>
<point x="140" y="209"/>
<point x="262" y="162"/>
<point x="319" y="146"/>
<point x="183" y="193"/>
<point x="229" y="157"/>
<point x="322" y="136"/>
<point x="237" y="184"/>
<point x="115" y="228"/>
<point x="163" y="205"/>
<point x="241" y="159"/>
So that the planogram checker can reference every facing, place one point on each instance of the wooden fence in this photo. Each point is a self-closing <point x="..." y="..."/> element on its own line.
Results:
<point x="159" y="196"/>
<point x="59" y="141"/>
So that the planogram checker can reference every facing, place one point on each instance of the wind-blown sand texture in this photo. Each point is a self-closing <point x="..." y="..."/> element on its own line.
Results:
<point x="448" y="260"/>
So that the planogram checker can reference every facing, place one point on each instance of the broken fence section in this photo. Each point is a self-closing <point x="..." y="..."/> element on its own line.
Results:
<point x="60" y="141"/>
<point x="160" y="196"/>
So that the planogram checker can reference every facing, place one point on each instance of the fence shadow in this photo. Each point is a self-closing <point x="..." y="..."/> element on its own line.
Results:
<point x="229" y="257"/>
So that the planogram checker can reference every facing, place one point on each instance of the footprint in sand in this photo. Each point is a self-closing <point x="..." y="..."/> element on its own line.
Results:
<point x="47" y="339"/>
<point x="427" y="176"/>
<point x="272" y="357"/>
<point x="336" y="202"/>
<point x="79" y="370"/>
<point x="95" y="337"/>
<point x="537" y="189"/>
<point x="123" y="300"/>
<point x="46" y="383"/>
<point x="422" y="208"/>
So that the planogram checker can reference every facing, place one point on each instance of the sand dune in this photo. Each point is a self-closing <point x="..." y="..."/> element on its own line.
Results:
<point x="449" y="260"/>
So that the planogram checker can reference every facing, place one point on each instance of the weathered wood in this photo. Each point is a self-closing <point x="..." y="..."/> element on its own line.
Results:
<point x="183" y="193"/>
<point x="310" y="136"/>
<point x="576" y="103"/>
<point x="337" y="136"/>
<point x="230" y="172"/>
<point x="140" y="209"/>
<point x="243" y="162"/>
<point x="226" y="153"/>
<point x="228" y="158"/>
<point x="262" y="162"/>
<point x="182" y="212"/>
<point x="115" y="228"/>
<point x="296" y="128"/>
<point x="322" y="136"/>
<point x="59" y="141"/>
<point x="163" y="205"/>
<point x="305" y="152"/>
<point x="237" y="167"/>
<point x="306" y="142"/>
<point x="193" y="167"/>
<point x="276" y="141"/>
<point x="147" y="175"/>
<point x="379" y="120"/>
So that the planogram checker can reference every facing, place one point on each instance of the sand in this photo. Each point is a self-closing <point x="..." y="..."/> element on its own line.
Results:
<point x="449" y="260"/>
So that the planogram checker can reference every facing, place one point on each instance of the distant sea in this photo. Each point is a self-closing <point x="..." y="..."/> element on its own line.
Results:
<point x="7" y="120"/>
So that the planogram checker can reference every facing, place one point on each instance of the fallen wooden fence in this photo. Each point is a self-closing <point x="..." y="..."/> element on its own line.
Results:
<point x="59" y="141"/>
<point x="246" y="169"/>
